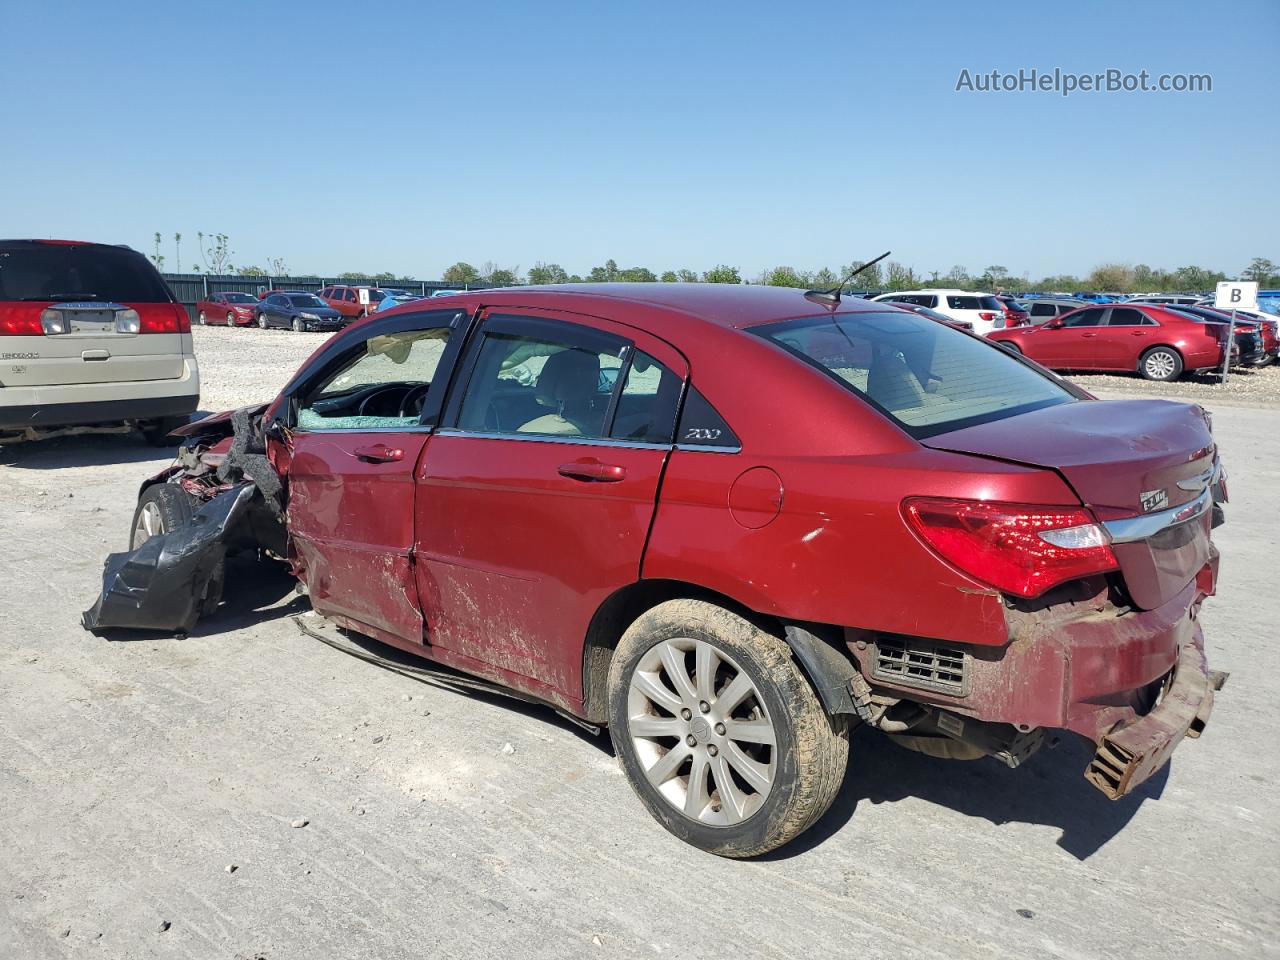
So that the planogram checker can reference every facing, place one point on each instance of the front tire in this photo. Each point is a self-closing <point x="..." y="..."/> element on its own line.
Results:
<point x="231" y="320"/>
<point x="719" y="732"/>
<point x="1161" y="363"/>
<point x="298" y="325"/>
<point x="204" y="321"/>
<point x="162" y="508"/>
<point x="262" y="321"/>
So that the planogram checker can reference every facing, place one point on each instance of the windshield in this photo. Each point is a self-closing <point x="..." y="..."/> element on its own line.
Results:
<point x="927" y="377"/>
<point x="306" y="300"/>
<point x="68" y="272"/>
<point x="239" y="298"/>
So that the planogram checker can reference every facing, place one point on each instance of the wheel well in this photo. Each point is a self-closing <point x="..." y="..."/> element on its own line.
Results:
<point x="1162" y="346"/>
<point x="621" y="610"/>
<point x="817" y="648"/>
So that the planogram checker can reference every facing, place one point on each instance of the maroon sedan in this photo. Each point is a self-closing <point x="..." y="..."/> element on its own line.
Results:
<point x="230" y="309"/>
<point x="1158" y="342"/>
<point x="730" y="523"/>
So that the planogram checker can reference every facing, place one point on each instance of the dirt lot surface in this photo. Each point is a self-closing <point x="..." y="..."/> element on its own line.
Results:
<point x="152" y="791"/>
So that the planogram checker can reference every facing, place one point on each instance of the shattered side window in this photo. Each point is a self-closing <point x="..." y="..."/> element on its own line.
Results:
<point x="383" y="386"/>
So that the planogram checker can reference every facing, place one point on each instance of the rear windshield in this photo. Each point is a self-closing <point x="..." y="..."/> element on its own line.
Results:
<point x="239" y="298"/>
<point x="49" y="271"/>
<point x="927" y="377"/>
<point x="306" y="300"/>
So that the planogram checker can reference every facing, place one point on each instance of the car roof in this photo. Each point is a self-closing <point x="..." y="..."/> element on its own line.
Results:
<point x="728" y="305"/>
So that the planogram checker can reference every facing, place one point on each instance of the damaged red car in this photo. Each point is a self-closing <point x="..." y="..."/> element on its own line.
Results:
<point x="729" y="523"/>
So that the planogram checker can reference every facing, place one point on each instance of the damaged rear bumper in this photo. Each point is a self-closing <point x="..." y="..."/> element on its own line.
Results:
<point x="1130" y="755"/>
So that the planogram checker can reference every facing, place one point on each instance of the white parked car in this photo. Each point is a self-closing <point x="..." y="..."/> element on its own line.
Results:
<point x="90" y="337"/>
<point x="980" y="309"/>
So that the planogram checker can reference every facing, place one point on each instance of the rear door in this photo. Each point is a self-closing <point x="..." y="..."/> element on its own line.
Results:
<point x="358" y="427"/>
<point x="86" y="313"/>
<point x="535" y="500"/>
<point x="1128" y="333"/>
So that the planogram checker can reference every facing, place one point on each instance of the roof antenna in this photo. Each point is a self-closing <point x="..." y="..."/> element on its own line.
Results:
<point x="832" y="296"/>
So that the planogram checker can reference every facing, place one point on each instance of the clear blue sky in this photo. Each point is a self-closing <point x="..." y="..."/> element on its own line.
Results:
<point x="378" y="136"/>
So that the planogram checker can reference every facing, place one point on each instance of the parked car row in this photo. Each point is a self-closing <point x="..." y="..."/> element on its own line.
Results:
<point x="302" y="310"/>
<point x="1160" y="337"/>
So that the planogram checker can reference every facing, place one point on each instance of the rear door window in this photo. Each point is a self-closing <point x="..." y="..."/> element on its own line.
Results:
<point x="646" y="409"/>
<point x="963" y="303"/>
<point x="555" y="380"/>
<point x="1128" y="317"/>
<point x="927" y="377"/>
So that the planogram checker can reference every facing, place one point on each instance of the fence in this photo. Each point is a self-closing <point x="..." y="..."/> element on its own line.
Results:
<point x="192" y="287"/>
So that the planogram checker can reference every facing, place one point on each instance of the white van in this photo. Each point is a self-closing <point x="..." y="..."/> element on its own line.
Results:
<point x="90" y="337"/>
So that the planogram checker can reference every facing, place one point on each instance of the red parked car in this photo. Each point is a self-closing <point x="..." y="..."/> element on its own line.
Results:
<point x="1157" y="342"/>
<point x="569" y="492"/>
<point x="231" y="309"/>
<point x="353" y="302"/>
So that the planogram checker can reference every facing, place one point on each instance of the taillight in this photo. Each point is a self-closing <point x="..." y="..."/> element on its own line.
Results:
<point x="20" y="322"/>
<point x="171" y="318"/>
<point x="1017" y="548"/>
<point x="988" y="316"/>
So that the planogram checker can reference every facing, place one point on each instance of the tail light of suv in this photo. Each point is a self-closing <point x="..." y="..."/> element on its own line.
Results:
<point x="1018" y="548"/>
<point x="991" y="317"/>
<point x="35" y="321"/>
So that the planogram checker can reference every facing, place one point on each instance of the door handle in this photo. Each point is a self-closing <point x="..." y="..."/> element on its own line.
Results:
<point x="378" y="453"/>
<point x="593" y="470"/>
<point x="1137" y="333"/>
<point x="1088" y="334"/>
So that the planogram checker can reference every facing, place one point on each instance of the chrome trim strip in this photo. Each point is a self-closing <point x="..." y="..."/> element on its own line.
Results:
<point x="705" y="448"/>
<point x="1132" y="529"/>
<point x="555" y="438"/>
<point x="1200" y="480"/>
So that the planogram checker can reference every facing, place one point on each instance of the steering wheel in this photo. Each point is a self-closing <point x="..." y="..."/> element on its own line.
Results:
<point x="406" y="402"/>
<point x="360" y="410"/>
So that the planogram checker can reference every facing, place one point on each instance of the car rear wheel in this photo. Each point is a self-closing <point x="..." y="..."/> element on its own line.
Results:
<point x="162" y="508"/>
<point x="1160" y="363"/>
<point x="262" y="321"/>
<point x="719" y="732"/>
<point x="298" y="325"/>
<point x="204" y="321"/>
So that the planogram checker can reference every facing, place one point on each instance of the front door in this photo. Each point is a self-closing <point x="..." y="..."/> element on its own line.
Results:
<point x="1074" y="345"/>
<point x="535" y="499"/>
<point x="358" y="429"/>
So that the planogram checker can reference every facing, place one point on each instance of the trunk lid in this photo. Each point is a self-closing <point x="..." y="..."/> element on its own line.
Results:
<point x="1123" y="458"/>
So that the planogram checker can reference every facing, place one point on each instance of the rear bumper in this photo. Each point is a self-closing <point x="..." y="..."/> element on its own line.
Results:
<point x="1130" y="755"/>
<point x="78" y="404"/>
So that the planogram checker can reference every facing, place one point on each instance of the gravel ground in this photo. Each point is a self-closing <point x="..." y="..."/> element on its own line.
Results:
<point x="1248" y="386"/>
<point x="154" y="791"/>
<point x="245" y="365"/>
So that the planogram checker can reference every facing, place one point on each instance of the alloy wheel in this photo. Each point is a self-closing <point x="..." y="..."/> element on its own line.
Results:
<point x="262" y="321"/>
<point x="231" y="320"/>
<point x="1159" y="365"/>
<point x="149" y="524"/>
<point x="703" y="736"/>
<point x="203" y="321"/>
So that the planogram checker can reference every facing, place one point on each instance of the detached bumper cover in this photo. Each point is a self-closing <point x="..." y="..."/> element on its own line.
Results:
<point x="1129" y="756"/>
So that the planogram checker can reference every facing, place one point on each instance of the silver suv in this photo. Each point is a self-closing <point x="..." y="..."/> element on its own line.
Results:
<point x="91" y="338"/>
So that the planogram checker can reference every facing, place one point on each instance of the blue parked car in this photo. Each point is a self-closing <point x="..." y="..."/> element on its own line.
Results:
<point x="298" y="311"/>
<point x="1094" y="297"/>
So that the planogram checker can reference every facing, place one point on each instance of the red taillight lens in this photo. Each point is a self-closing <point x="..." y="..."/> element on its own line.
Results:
<point x="988" y="316"/>
<point x="1018" y="548"/>
<point x="23" y="321"/>
<point x="170" y="318"/>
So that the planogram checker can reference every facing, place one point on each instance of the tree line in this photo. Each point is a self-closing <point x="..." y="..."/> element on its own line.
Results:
<point x="215" y="257"/>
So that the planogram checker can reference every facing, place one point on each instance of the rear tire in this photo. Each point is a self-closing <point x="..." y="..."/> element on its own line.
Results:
<point x="204" y="321"/>
<point x="780" y="755"/>
<point x="1161" y="363"/>
<point x="162" y="508"/>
